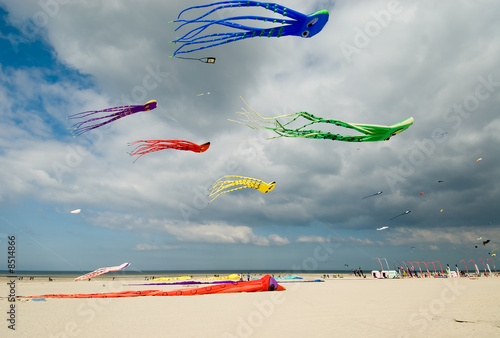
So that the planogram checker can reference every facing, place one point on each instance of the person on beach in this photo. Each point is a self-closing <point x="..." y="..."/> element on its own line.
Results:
<point x="414" y="272"/>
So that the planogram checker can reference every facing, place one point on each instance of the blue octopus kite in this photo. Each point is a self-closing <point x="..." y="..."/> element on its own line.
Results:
<point x="297" y="24"/>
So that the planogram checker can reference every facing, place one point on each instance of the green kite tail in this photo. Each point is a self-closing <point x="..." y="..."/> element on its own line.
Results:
<point x="372" y="132"/>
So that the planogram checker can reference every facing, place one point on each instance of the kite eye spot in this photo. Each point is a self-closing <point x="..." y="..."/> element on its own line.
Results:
<point x="305" y="34"/>
<point x="312" y="22"/>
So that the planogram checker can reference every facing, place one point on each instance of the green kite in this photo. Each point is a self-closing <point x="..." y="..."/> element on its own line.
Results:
<point x="371" y="132"/>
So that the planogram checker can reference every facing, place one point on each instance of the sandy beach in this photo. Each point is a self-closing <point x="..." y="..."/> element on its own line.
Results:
<point x="343" y="307"/>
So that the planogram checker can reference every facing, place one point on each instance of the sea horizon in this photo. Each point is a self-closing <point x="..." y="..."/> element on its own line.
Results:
<point x="5" y="273"/>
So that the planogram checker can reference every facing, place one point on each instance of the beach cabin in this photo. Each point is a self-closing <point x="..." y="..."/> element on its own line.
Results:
<point x="376" y="274"/>
<point x="389" y="274"/>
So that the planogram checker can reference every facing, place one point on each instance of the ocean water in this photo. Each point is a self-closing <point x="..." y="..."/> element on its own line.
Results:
<point x="169" y="273"/>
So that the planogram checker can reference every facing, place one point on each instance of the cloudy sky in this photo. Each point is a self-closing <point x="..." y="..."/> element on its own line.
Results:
<point x="376" y="62"/>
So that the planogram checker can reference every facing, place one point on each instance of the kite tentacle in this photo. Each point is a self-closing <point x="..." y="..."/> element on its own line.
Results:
<point x="120" y="112"/>
<point x="92" y="112"/>
<point x="79" y="130"/>
<point x="276" y="8"/>
<point x="191" y="38"/>
<point x="228" y="23"/>
<point x="218" y="188"/>
<point x="227" y="37"/>
<point x="148" y="146"/>
<point x="226" y="184"/>
<point x="225" y="40"/>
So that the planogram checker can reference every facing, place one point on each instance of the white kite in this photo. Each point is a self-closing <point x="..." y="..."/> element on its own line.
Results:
<point x="383" y="228"/>
<point x="76" y="211"/>
<point x="102" y="271"/>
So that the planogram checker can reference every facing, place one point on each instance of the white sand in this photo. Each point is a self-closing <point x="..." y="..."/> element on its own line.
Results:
<point x="348" y="307"/>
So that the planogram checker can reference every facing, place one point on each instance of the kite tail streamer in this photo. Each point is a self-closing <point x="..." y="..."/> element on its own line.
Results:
<point x="218" y="188"/>
<point x="229" y="4"/>
<point x="149" y="146"/>
<point x="120" y="112"/>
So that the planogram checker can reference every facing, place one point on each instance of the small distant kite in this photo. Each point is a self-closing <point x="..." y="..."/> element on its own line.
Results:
<point x="421" y="193"/>
<point x="150" y="146"/>
<point x="479" y="238"/>
<point x="371" y="132"/>
<point x="375" y="194"/>
<point x="479" y="159"/>
<point x="404" y="213"/>
<point x="101" y="271"/>
<point x="76" y="211"/>
<point x="441" y="210"/>
<point x="240" y="182"/>
<point x="120" y="112"/>
<point x="412" y="247"/>
<point x="440" y="181"/>
<point x="486" y="242"/>
<point x="383" y="228"/>
<point x="204" y="60"/>
<point x="201" y="94"/>
<point x="294" y="24"/>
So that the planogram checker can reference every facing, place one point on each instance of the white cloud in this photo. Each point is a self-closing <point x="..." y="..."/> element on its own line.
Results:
<point x="312" y="239"/>
<point x="222" y="234"/>
<point x="148" y="247"/>
<point x="185" y="232"/>
<point x="278" y="240"/>
<point x="458" y="236"/>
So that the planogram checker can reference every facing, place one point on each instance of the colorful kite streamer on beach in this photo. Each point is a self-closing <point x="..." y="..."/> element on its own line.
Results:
<point x="296" y="24"/>
<point x="102" y="271"/>
<point x="371" y="132"/>
<point x="150" y="146"/>
<point x="119" y="112"/>
<point x="232" y="277"/>
<point x="266" y="283"/>
<point x="186" y="282"/>
<point x="240" y="182"/>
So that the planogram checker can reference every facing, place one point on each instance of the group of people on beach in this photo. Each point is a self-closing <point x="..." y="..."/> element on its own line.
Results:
<point x="358" y="273"/>
<point x="32" y="278"/>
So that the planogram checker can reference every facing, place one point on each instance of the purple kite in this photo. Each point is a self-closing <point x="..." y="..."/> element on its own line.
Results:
<point x="120" y="112"/>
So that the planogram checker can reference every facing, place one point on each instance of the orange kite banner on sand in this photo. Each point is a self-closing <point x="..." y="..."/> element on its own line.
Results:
<point x="266" y="283"/>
